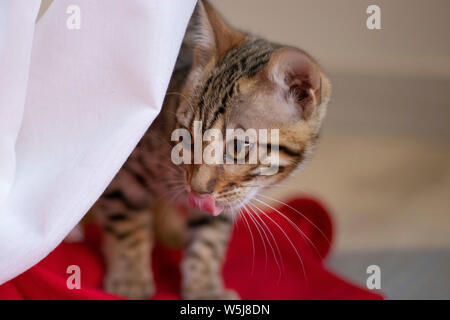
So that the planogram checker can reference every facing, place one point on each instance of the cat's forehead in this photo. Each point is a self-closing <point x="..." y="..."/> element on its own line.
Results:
<point x="261" y="109"/>
<point x="220" y="89"/>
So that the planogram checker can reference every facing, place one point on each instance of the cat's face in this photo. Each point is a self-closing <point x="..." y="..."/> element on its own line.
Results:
<point x="248" y="83"/>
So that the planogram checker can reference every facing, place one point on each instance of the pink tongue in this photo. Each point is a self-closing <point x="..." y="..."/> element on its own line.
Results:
<point x="204" y="202"/>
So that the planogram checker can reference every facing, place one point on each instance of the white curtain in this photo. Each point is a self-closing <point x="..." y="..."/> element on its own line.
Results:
<point x="73" y="105"/>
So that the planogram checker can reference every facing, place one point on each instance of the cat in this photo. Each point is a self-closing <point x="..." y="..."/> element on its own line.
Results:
<point x="224" y="78"/>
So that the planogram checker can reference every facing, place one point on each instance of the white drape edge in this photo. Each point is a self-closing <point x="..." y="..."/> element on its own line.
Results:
<point x="16" y="38"/>
<point x="91" y="95"/>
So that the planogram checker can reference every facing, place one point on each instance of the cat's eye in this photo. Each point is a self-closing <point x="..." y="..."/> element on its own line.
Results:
<point x="238" y="149"/>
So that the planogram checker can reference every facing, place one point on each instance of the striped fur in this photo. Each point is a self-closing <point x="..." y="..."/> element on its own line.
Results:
<point x="230" y="84"/>
<point x="241" y="62"/>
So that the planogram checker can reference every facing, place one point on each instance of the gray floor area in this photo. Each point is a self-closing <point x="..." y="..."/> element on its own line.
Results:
<point x="406" y="274"/>
<point x="383" y="169"/>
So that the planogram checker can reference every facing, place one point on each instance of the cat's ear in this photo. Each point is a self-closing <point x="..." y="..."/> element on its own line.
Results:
<point x="297" y="77"/>
<point x="209" y="35"/>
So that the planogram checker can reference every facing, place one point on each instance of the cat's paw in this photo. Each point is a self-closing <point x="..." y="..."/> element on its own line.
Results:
<point x="225" y="294"/>
<point x="129" y="285"/>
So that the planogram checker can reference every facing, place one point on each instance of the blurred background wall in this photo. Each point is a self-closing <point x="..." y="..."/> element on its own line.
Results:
<point x="383" y="163"/>
<point x="412" y="42"/>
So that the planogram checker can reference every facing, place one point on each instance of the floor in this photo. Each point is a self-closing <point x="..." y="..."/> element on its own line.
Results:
<point x="383" y="169"/>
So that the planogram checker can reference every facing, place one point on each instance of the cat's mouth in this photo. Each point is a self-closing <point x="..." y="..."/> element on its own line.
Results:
<point x="204" y="202"/>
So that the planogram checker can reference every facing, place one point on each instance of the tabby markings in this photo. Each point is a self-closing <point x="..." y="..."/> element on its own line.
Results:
<point x="240" y="146"/>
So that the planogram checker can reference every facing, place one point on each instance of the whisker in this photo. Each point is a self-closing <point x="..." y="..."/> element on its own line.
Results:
<point x="271" y="234"/>
<point x="260" y="235"/>
<point x="296" y="227"/>
<point x="280" y="266"/>
<point x="298" y="212"/>
<point x="179" y="188"/>
<point x="253" y="241"/>
<point x="183" y="96"/>
<point x="165" y="165"/>
<point x="158" y="136"/>
<point x="287" y="237"/>
<point x="264" y="185"/>
<point x="169" y="183"/>
<point x="173" y="197"/>
<point x="233" y="215"/>
<point x="272" y="249"/>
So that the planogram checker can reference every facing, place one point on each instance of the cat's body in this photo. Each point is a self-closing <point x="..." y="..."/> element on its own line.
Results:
<point x="229" y="80"/>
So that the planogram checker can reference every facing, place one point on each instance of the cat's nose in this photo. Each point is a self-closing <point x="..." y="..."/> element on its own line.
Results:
<point x="203" y="180"/>
<point x="202" y="187"/>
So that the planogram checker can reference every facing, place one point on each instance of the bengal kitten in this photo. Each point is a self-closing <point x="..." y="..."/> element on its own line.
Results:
<point x="225" y="79"/>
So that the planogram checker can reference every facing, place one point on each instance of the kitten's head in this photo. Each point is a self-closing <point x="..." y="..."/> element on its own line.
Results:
<point x="242" y="82"/>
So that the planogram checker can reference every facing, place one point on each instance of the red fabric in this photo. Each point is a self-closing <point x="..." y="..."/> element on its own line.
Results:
<point x="47" y="280"/>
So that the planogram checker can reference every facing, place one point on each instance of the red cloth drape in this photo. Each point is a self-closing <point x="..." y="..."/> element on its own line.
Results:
<point x="272" y="270"/>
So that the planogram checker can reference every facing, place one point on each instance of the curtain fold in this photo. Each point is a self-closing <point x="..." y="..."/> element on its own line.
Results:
<point x="73" y="105"/>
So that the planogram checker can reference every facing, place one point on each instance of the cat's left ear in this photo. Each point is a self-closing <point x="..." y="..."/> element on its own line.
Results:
<point x="210" y="35"/>
<point x="297" y="77"/>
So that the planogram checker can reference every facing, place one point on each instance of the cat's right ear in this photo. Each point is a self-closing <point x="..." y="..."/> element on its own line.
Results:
<point x="209" y="35"/>
<point x="298" y="80"/>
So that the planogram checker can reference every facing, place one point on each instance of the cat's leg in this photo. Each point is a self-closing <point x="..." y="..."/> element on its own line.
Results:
<point x="127" y="245"/>
<point x="203" y="257"/>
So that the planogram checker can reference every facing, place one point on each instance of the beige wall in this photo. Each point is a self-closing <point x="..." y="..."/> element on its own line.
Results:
<point x="414" y="39"/>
